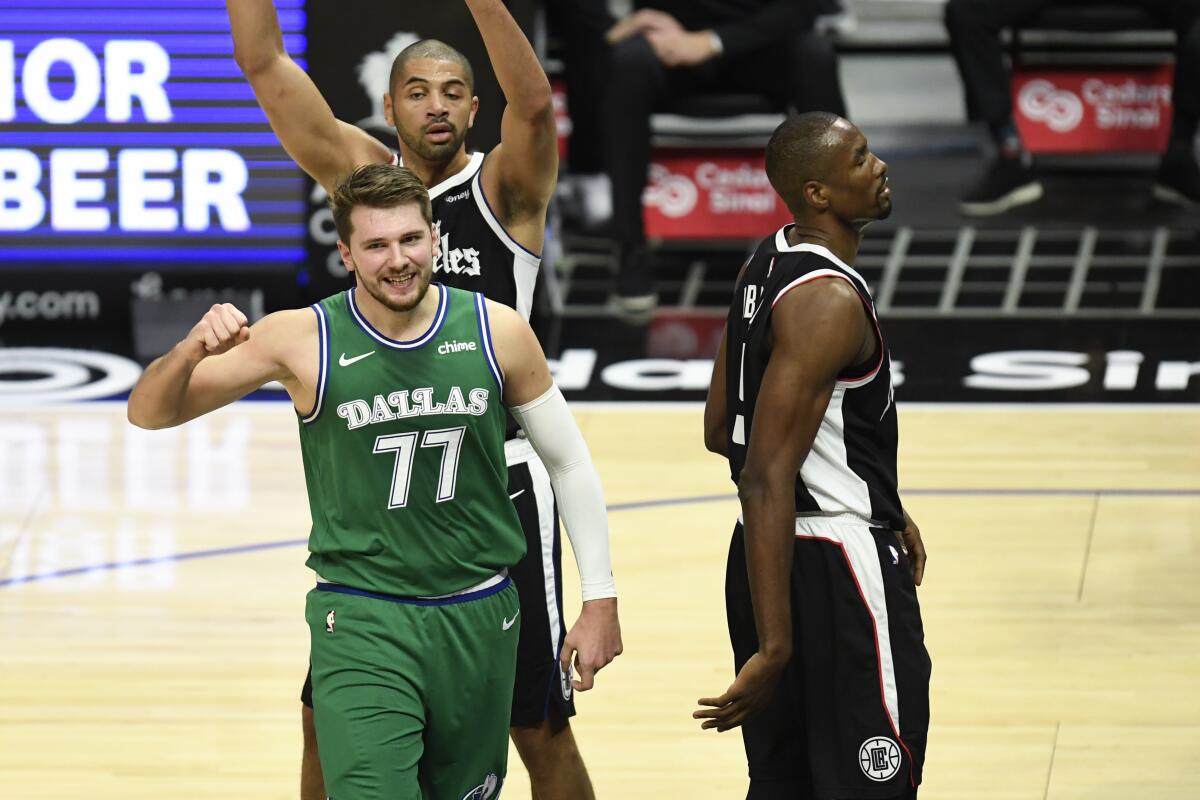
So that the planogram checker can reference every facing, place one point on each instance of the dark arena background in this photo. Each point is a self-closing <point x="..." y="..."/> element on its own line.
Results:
<point x="1046" y="368"/>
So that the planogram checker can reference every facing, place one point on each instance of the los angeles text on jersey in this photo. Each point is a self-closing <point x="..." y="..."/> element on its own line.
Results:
<point x="455" y="261"/>
<point x="412" y="403"/>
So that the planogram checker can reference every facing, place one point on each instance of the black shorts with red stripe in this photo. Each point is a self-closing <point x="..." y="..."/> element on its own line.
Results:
<point x="850" y="715"/>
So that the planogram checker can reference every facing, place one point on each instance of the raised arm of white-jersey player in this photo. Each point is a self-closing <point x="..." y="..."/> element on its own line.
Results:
<point x="716" y="438"/>
<point x="324" y="146"/>
<point x="595" y="638"/>
<point x="520" y="173"/>
<point x="818" y="330"/>
<point x="221" y="360"/>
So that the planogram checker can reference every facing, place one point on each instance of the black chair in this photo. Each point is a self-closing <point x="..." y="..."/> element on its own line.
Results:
<point x="1106" y="27"/>
<point x="1097" y="18"/>
<point x="720" y="120"/>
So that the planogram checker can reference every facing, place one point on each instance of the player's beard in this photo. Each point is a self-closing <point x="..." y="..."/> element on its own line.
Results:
<point x="375" y="288"/>
<point x="885" y="208"/>
<point x="883" y="202"/>
<point x="434" y="152"/>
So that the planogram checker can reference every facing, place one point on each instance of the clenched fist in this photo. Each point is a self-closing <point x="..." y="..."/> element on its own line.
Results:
<point x="221" y="329"/>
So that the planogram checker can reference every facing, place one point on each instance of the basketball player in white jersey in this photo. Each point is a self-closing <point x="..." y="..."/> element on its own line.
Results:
<point x="832" y="687"/>
<point x="490" y="212"/>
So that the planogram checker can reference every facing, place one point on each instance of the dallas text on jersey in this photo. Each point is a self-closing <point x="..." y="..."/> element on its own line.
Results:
<point x="415" y="403"/>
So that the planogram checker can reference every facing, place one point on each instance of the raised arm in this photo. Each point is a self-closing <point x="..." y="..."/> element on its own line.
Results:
<point x="819" y="329"/>
<point x="539" y="407"/>
<point x="324" y="146"/>
<point x="221" y="360"/>
<point x="520" y="173"/>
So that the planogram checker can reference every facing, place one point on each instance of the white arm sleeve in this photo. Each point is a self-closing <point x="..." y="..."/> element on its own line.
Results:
<point x="555" y="437"/>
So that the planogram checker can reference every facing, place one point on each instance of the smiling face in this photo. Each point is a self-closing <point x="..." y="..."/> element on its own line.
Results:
<point x="432" y="107"/>
<point x="391" y="252"/>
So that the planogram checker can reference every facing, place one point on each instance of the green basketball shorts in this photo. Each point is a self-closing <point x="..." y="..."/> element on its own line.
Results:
<point x="412" y="696"/>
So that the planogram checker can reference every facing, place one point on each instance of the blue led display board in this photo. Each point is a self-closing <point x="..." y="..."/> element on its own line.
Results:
<point x="128" y="135"/>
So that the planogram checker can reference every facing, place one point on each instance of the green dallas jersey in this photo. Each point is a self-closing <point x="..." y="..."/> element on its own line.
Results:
<point x="404" y="453"/>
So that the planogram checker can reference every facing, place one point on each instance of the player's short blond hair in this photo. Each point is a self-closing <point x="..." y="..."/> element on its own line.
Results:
<point x="376" y="186"/>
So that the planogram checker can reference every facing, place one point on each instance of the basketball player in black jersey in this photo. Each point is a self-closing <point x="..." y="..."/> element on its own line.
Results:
<point x="832" y="672"/>
<point x="490" y="213"/>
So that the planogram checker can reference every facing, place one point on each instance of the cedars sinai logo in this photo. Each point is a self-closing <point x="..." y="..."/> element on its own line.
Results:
<point x="722" y="185"/>
<point x="674" y="195"/>
<point x="1061" y="110"/>
<point x="1131" y="103"/>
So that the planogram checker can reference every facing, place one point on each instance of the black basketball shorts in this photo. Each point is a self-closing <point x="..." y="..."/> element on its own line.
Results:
<point x="850" y="716"/>
<point x="541" y="690"/>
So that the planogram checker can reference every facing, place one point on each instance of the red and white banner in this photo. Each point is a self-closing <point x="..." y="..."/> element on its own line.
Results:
<point x="721" y="194"/>
<point x="698" y="194"/>
<point x="1093" y="110"/>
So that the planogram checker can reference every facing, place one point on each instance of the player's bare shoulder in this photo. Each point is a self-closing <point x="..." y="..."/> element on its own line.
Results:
<point x="509" y="330"/>
<point x="291" y="338"/>
<point x="819" y="298"/>
<point x="291" y="322"/>
<point x="522" y="362"/>
<point x="826" y="320"/>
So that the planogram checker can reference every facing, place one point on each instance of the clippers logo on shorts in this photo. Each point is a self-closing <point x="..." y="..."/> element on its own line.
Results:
<point x="879" y="758"/>
<point x="329" y="620"/>
<point x="488" y="789"/>
<point x="564" y="680"/>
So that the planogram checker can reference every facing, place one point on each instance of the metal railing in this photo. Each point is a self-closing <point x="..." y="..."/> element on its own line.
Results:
<point x="1027" y="272"/>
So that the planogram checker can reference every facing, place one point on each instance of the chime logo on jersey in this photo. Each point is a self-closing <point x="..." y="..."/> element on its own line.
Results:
<point x="485" y="790"/>
<point x="879" y="758"/>
<point x="446" y="348"/>
<point x="415" y="403"/>
<point x="458" y="261"/>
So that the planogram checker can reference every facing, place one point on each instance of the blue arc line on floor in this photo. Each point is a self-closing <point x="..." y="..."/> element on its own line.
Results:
<point x="143" y="562"/>
<point x="630" y="506"/>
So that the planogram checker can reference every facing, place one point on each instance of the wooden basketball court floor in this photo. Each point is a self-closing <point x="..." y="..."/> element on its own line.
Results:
<point x="152" y="584"/>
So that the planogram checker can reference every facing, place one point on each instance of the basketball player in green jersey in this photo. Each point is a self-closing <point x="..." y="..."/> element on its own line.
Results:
<point x="400" y="387"/>
<point x="491" y="216"/>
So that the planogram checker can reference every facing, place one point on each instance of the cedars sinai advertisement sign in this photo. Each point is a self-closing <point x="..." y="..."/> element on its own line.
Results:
<point x="1094" y="110"/>
<point x="710" y="195"/>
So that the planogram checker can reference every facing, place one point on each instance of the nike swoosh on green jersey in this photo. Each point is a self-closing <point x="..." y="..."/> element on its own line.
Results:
<point x="345" y="362"/>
